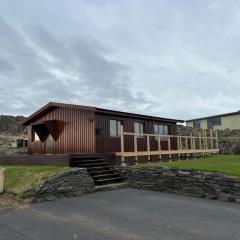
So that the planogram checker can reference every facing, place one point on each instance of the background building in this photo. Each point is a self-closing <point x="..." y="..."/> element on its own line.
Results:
<point x="221" y="122"/>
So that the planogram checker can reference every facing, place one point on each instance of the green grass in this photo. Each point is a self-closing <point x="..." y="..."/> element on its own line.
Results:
<point x="225" y="164"/>
<point x="20" y="179"/>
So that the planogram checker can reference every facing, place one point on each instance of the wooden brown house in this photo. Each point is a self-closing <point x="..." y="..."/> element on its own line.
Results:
<point x="59" y="128"/>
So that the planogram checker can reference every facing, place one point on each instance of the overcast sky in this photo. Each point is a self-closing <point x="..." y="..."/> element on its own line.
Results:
<point x="169" y="58"/>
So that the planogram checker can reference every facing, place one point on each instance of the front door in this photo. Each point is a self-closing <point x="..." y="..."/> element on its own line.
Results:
<point x="48" y="146"/>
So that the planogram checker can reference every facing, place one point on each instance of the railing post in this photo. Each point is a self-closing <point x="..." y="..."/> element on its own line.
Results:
<point x="200" y="140"/>
<point x="206" y="139"/>
<point x="181" y="145"/>
<point x="211" y="138"/>
<point x="135" y="149"/>
<point x="194" y="142"/>
<point x="122" y="146"/>
<point x="169" y="147"/>
<point x="191" y="142"/>
<point x="178" y="147"/>
<point x="148" y="149"/>
<point x="186" y="143"/>
<point x="159" y="147"/>
<point x="217" y="144"/>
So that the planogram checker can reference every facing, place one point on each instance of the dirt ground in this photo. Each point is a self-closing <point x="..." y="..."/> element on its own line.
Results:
<point x="8" y="200"/>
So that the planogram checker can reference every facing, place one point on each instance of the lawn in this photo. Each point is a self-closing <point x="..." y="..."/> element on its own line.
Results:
<point x="19" y="179"/>
<point x="225" y="164"/>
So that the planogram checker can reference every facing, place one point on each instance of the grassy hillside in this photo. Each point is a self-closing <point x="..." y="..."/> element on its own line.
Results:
<point x="227" y="164"/>
<point x="19" y="179"/>
<point x="11" y="130"/>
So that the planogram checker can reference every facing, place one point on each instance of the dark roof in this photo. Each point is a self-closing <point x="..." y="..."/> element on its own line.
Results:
<point x="53" y="105"/>
<point x="214" y="116"/>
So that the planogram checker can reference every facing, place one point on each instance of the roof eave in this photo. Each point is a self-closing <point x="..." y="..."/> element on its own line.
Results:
<point x="106" y="111"/>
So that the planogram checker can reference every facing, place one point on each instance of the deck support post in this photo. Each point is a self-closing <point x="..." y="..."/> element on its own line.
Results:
<point x="200" y="141"/>
<point x="211" y="138"/>
<point x="148" y="149"/>
<point x="206" y="142"/>
<point x="169" y="148"/>
<point x="178" y="146"/>
<point x="216" y="136"/>
<point x="122" y="146"/>
<point x="191" y="143"/>
<point x="159" y="147"/>
<point x="186" y="146"/>
<point x="135" y="149"/>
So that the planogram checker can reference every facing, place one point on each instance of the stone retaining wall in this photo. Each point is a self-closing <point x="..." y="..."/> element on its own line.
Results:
<point x="37" y="159"/>
<point x="185" y="182"/>
<point x="69" y="184"/>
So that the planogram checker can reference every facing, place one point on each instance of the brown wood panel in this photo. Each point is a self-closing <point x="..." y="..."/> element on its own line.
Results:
<point x="76" y="128"/>
<point x="105" y="143"/>
<point x="37" y="160"/>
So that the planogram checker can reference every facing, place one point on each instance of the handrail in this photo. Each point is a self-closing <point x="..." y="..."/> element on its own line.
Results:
<point x="188" y="146"/>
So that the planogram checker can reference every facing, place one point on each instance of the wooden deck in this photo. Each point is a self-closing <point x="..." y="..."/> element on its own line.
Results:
<point x="202" y="144"/>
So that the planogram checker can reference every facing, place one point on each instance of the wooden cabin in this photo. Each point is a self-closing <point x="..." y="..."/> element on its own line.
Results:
<point x="59" y="128"/>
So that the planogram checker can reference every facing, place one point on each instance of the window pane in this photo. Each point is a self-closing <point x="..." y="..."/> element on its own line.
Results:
<point x="197" y="124"/>
<point x="141" y="127"/>
<point x="136" y="127"/>
<point x="161" y="129"/>
<point x="113" y="128"/>
<point x="156" y="129"/>
<point x="166" y="130"/>
<point x="213" y="122"/>
<point x="119" y="128"/>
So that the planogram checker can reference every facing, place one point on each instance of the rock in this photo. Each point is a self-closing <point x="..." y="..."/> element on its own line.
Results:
<point x="185" y="182"/>
<point x="211" y="196"/>
<point x="68" y="184"/>
<point x="226" y="197"/>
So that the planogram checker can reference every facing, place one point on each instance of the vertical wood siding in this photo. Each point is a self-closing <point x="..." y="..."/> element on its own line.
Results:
<point x="105" y="143"/>
<point x="77" y="132"/>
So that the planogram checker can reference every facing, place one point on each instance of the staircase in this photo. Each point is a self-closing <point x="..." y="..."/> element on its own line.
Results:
<point x="98" y="168"/>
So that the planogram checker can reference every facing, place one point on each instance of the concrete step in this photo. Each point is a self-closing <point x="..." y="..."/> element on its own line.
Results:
<point x="112" y="186"/>
<point x="100" y="160"/>
<point x="90" y="165"/>
<point x="98" y="172"/>
<point x="108" y="180"/>
<point x="106" y="176"/>
<point x="100" y="168"/>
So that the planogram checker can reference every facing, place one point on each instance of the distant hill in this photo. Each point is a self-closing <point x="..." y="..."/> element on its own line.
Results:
<point x="11" y="124"/>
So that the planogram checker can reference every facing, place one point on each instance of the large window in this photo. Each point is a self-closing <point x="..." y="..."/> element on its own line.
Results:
<point x="115" y="128"/>
<point x="138" y="127"/>
<point x="211" y="122"/>
<point x="161" y="129"/>
<point x="197" y="124"/>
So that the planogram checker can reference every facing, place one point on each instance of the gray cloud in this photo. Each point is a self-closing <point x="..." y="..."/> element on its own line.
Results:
<point x="162" y="58"/>
<point x="57" y="68"/>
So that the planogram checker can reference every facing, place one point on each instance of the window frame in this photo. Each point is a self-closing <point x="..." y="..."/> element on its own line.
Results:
<point x="140" y="126"/>
<point x="162" y="127"/>
<point x="197" y="124"/>
<point x="212" y="122"/>
<point x="118" y="125"/>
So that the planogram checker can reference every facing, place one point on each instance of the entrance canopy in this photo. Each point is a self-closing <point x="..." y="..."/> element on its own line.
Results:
<point x="46" y="128"/>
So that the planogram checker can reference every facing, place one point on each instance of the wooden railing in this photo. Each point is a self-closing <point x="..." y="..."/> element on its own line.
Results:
<point x="203" y="143"/>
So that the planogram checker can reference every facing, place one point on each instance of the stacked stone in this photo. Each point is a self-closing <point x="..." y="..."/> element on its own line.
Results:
<point x="185" y="182"/>
<point x="68" y="184"/>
